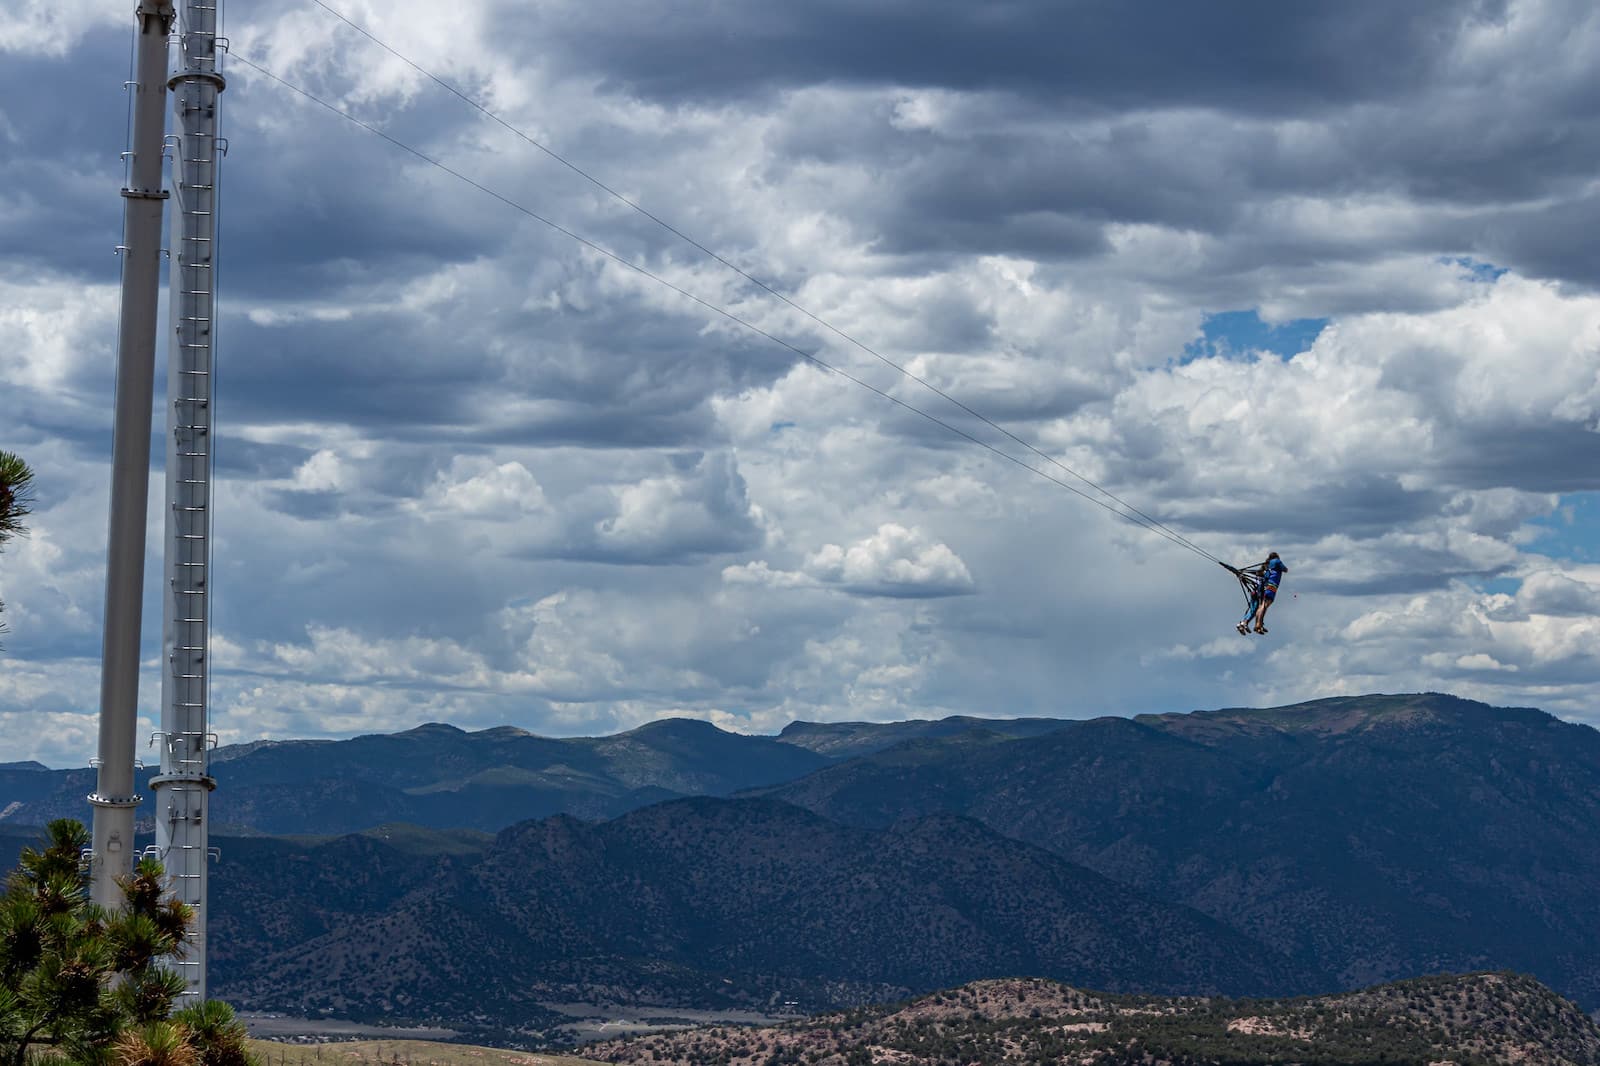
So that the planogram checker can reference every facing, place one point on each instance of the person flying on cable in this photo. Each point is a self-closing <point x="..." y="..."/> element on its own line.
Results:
<point x="1270" y="575"/>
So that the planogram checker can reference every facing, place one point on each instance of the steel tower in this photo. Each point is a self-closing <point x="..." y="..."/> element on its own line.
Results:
<point x="113" y="799"/>
<point x="183" y="786"/>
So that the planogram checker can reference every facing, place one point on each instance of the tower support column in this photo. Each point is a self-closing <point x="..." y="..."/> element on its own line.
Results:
<point x="114" y="799"/>
<point x="183" y="787"/>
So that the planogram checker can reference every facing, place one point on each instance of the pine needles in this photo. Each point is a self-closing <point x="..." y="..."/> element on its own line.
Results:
<point x="16" y="495"/>
<point x="16" y="499"/>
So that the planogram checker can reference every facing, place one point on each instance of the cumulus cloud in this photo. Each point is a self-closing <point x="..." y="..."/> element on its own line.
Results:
<point x="482" y="489"/>
<point x="894" y="561"/>
<point x="50" y="335"/>
<point x="704" y="509"/>
<point x="1385" y="441"/>
<point x="1491" y="645"/>
<point x="759" y="573"/>
<point x="50" y="28"/>
<point x="1550" y="592"/>
<point x="1220" y="648"/>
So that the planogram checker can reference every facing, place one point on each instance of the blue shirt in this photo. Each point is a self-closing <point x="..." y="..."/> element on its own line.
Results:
<point x="1273" y="573"/>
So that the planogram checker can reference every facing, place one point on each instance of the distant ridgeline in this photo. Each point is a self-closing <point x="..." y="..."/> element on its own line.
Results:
<point x="1313" y="848"/>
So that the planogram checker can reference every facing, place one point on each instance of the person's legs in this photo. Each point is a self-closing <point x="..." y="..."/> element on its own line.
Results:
<point x="1267" y="597"/>
<point x="1249" y="614"/>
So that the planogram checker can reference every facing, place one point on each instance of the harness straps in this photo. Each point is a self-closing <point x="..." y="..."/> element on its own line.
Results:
<point x="1249" y="578"/>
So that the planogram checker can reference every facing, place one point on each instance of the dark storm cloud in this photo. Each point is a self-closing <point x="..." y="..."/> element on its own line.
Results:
<point x="372" y="370"/>
<point x="1048" y="190"/>
<point x="1551" y="239"/>
<point x="251" y="460"/>
<point x="386" y="595"/>
<point x="1191" y="117"/>
<point x="1020" y="411"/>
<point x="620" y="377"/>
<point x="1535" y="457"/>
<point x="1018" y="192"/>
<point x="44" y="215"/>
<point x="540" y="347"/>
<point x="1360" y="505"/>
<point x="644" y="377"/>
<point x="1406" y="573"/>
<point x="81" y="417"/>
<point x="61" y="211"/>
<point x="359" y="212"/>
<point x="309" y="506"/>
<point x="363" y="211"/>
<point x="1096" y="52"/>
<point x="908" y="228"/>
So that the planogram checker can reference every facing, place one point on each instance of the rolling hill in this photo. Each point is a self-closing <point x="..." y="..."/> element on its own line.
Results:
<point x="1470" y="1020"/>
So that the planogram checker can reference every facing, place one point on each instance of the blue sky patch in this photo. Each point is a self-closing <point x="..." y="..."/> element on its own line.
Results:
<point x="1476" y="269"/>
<point x="1233" y="333"/>
<point x="1572" y="531"/>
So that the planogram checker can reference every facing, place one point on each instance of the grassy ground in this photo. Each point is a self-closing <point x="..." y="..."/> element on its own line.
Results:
<point x="401" y="1053"/>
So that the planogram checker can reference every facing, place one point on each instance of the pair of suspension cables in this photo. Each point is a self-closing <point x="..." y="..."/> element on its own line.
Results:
<point x="1106" y="499"/>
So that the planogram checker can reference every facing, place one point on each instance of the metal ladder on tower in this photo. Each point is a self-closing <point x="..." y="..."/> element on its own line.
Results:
<point x="183" y="786"/>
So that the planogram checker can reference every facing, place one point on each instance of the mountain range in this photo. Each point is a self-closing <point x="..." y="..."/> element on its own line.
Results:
<point x="1302" y="849"/>
<point x="442" y="777"/>
<point x="445" y="778"/>
<point x="695" y="902"/>
<point x="1371" y="837"/>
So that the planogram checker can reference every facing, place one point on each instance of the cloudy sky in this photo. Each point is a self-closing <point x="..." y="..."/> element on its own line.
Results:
<point x="1318" y="278"/>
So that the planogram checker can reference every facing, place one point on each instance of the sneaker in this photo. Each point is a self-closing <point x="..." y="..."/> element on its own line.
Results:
<point x="1244" y="630"/>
